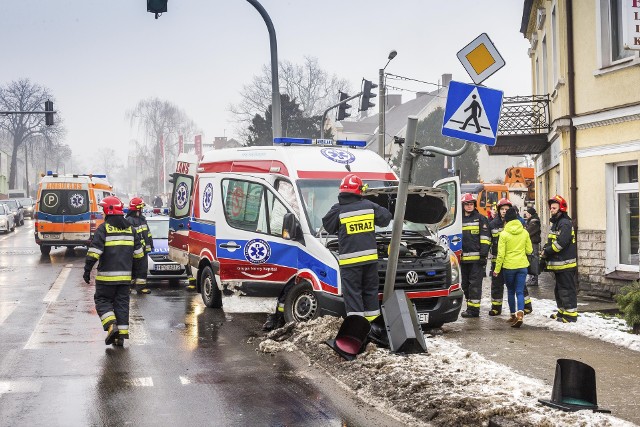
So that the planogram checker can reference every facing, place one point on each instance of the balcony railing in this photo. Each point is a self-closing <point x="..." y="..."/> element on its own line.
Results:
<point x="524" y="125"/>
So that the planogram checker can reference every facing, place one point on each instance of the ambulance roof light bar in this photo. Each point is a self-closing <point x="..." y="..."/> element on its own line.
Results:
<point x="319" y="141"/>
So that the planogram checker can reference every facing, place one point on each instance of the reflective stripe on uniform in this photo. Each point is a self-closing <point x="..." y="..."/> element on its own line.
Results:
<point x="355" y="313"/>
<point x="360" y="256"/>
<point x="112" y="238"/>
<point x="555" y="246"/>
<point x="562" y="264"/>
<point x="113" y="278"/>
<point x="496" y="302"/>
<point x="119" y="243"/>
<point x="473" y="303"/>
<point x="356" y="213"/>
<point x="93" y="255"/>
<point x="95" y="250"/>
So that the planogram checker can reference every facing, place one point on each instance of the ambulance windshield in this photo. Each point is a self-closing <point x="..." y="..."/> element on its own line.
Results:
<point x="319" y="195"/>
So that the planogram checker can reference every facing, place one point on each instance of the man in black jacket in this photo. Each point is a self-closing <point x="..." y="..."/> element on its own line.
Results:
<point x="476" y="240"/>
<point x="533" y="227"/>
<point x="561" y="256"/>
<point x="117" y="249"/>
<point x="354" y="219"/>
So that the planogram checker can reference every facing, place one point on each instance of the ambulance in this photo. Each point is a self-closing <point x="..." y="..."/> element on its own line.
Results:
<point x="249" y="220"/>
<point x="67" y="211"/>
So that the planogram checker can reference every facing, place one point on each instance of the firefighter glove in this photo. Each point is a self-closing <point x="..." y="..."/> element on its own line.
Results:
<point x="86" y="276"/>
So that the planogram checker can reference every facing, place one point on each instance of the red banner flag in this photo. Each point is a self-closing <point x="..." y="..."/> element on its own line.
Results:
<point x="180" y="145"/>
<point x="198" y="143"/>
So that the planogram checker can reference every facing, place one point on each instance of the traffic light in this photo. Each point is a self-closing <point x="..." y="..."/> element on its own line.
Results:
<point x="48" y="115"/>
<point x="365" y="104"/>
<point x="157" y="6"/>
<point x="342" y="108"/>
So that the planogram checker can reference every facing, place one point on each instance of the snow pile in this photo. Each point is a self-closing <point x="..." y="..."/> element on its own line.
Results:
<point x="447" y="386"/>
<point x="242" y="304"/>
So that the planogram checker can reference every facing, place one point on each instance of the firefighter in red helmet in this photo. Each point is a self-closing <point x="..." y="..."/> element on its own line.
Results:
<point x="497" y="282"/>
<point x="117" y="249"/>
<point x="475" y="248"/>
<point x="561" y="257"/>
<point x="139" y="223"/>
<point x="353" y="220"/>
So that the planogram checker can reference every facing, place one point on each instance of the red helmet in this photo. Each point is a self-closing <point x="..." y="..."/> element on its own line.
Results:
<point x="136" y="204"/>
<point x="559" y="200"/>
<point x="112" y="206"/>
<point x="504" y="202"/>
<point x="468" y="198"/>
<point x="351" y="184"/>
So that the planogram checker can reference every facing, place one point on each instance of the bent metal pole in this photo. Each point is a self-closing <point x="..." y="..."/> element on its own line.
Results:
<point x="401" y="204"/>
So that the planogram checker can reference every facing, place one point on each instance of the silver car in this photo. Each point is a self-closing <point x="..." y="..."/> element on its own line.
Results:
<point x="7" y="222"/>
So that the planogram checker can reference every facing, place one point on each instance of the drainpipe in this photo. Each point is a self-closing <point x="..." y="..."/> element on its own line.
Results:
<point x="573" y="201"/>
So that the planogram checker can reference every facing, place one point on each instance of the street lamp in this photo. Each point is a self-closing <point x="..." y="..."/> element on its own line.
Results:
<point x="382" y="105"/>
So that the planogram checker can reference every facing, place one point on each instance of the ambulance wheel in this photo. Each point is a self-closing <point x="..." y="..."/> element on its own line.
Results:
<point x="301" y="304"/>
<point x="45" y="250"/>
<point x="211" y="295"/>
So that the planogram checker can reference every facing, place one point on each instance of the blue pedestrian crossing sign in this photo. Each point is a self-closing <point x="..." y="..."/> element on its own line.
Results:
<point x="472" y="113"/>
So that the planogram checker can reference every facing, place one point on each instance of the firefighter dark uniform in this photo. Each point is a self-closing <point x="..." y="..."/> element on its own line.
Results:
<point x="497" y="282"/>
<point x="139" y="223"/>
<point x="475" y="248"/>
<point x="117" y="249"/>
<point x="560" y="255"/>
<point x="354" y="219"/>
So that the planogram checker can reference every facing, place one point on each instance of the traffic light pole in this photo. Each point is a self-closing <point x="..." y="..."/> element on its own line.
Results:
<point x="324" y="115"/>
<point x="381" y="111"/>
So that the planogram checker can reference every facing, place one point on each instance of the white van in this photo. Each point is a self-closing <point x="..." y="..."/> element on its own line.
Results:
<point x="228" y="209"/>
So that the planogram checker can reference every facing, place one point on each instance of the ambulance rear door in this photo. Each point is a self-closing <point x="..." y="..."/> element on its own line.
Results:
<point x="249" y="242"/>
<point x="450" y="229"/>
<point x="180" y="208"/>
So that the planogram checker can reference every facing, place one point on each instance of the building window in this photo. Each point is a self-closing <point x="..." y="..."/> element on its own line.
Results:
<point x="611" y="36"/>
<point x="544" y="65"/>
<point x="627" y="213"/>
<point x="554" y="44"/>
<point x="538" y="85"/>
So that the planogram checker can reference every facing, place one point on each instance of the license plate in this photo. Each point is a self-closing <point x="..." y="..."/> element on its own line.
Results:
<point x="50" y="236"/>
<point x="168" y="267"/>
<point x="423" y="317"/>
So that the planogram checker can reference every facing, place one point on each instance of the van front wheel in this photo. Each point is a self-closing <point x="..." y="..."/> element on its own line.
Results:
<point x="211" y="295"/>
<point x="301" y="304"/>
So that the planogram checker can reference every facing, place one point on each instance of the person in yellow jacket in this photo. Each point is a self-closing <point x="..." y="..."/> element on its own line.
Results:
<point x="513" y="247"/>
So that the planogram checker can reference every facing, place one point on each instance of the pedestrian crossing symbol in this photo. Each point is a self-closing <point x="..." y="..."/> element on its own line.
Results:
<point x="472" y="113"/>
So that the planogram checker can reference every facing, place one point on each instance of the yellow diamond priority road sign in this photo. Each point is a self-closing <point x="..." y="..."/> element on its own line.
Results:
<point x="480" y="58"/>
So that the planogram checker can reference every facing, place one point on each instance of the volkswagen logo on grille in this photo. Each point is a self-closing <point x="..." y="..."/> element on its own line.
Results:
<point x="412" y="277"/>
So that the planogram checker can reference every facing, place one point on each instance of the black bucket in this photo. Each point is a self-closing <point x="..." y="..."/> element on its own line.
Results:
<point x="574" y="387"/>
<point x="351" y="338"/>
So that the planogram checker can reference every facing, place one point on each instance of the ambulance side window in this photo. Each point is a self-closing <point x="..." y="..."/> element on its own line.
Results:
<point x="244" y="205"/>
<point x="276" y="214"/>
<point x="286" y="190"/>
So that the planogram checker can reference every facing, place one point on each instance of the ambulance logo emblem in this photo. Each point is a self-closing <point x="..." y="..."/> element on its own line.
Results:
<point x="181" y="195"/>
<point x="207" y="197"/>
<point x="76" y="200"/>
<point x="337" y="155"/>
<point x="257" y="251"/>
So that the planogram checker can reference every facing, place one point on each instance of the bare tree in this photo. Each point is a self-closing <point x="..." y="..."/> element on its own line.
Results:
<point x="23" y="95"/>
<point x="159" y="122"/>
<point x="307" y="84"/>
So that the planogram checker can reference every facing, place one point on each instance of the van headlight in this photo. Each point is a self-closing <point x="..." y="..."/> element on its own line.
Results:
<point x="455" y="268"/>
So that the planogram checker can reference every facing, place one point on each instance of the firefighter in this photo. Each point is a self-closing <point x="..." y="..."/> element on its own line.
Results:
<point x="497" y="281"/>
<point x="354" y="219"/>
<point x="118" y="250"/>
<point x="139" y="224"/>
<point x="475" y="248"/>
<point x="560" y="256"/>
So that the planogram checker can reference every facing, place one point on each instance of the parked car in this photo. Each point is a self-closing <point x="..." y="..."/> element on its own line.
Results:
<point x="160" y="266"/>
<point x="7" y="223"/>
<point x="28" y="204"/>
<point x="16" y="208"/>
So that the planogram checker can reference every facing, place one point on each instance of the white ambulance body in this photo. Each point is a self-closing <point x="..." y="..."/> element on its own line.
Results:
<point x="227" y="213"/>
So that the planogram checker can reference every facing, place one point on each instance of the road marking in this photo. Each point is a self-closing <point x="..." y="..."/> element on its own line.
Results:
<point x="138" y="333"/>
<point x="20" y="386"/>
<point x="53" y="293"/>
<point x="6" y="308"/>
<point x="140" y="382"/>
<point x="184" y="380"/>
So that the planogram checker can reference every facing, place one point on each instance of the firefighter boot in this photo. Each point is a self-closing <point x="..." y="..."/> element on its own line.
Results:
<point x="112" y="334"/>
<point x="528" y="308"/>
<point x="118" y="342"/>
<point x="472" y="311"/>
<point x="274" y="321"/>
<point x="496" y="308"/>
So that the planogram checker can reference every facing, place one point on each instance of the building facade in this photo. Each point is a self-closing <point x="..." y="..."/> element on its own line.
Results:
<point x="590" y="149"/>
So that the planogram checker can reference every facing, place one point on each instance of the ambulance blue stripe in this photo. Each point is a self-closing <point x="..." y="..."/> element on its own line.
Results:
<point x="308" y="261"/>
<point x="204" y="228"/>
<point x="60" y="218"/>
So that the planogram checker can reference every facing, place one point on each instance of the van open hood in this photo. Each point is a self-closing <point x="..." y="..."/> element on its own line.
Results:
<point x="425" y="205"/>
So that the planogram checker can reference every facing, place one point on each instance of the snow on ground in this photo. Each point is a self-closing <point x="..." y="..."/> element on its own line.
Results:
<point x="610" y="329"/>
<point x="447" y="386"/>
<point x="242" y="304"/>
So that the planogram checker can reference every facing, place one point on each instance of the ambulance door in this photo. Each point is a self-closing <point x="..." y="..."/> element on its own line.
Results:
<point x="450" y="229"/>
<point x="179" y="212"/>
<point x="249" y="242"/>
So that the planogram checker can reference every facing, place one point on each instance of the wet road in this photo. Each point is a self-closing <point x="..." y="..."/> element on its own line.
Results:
<point x="184" y="365"/>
